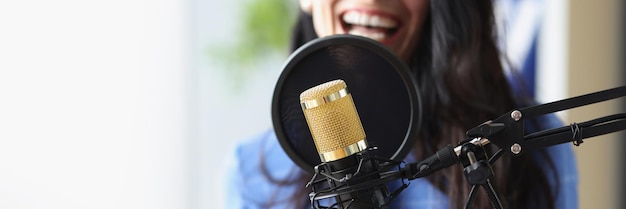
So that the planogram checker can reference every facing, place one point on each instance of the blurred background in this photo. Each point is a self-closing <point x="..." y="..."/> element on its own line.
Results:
<point x="137" y="104"/>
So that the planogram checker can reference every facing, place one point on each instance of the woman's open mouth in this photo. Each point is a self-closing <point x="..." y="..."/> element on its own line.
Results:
<point x="381" y="28"/>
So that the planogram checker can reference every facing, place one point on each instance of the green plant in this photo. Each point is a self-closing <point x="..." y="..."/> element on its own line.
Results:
<point x="263" y="32"/>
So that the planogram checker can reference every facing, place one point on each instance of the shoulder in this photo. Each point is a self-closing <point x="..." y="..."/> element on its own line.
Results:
<point x="263" y="153"/>
<point x="560" y="167"/>
<point x="419" y="194"/>
<point x="256" y="168"/>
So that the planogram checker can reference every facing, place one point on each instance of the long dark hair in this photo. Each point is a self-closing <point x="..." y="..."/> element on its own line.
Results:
<point x="458" y="68"/>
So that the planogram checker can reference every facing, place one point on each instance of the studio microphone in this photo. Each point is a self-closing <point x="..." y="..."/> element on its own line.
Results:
<point x="347" y="161"/>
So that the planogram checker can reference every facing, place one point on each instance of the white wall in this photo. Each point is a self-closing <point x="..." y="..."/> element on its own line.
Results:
<point x="595" y="64"/>
<point x="230" y="109"/>
<point x="93" y="104"/>
<point x="581" y="54"/>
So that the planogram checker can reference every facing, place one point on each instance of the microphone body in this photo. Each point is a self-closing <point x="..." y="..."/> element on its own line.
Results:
<point x="341" y="143"/>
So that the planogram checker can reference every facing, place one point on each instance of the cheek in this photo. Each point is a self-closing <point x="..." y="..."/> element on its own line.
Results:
<point x="418" y="9"/>
<point x="417" y="5"/>
<point x="323" y="17"/>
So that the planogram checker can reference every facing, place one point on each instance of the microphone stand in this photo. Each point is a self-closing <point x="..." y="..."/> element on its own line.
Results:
<point x="506" y="132"/>
<point x="478" y="172"/>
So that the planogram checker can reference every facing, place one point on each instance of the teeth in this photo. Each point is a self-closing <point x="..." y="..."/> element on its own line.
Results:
<point x="375" y="36"/>
<point x="371" y="21"/>
<point x="363" y="19"/>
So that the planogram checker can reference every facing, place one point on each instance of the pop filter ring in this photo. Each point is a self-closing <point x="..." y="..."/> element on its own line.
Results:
<point x="325" y="46"/>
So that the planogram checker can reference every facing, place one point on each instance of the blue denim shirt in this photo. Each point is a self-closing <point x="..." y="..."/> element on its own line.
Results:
<point x="247" y="187"/>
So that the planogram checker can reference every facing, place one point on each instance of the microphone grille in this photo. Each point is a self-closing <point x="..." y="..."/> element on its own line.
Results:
<point x="333" y="120"/>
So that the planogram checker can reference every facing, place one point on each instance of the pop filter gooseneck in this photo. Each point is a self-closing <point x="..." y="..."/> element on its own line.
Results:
<point x="384" y="93"/>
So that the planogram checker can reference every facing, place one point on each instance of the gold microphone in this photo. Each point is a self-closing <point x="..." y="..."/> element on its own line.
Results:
<point x="338" y="135"/>
<point x="333" y="120"/>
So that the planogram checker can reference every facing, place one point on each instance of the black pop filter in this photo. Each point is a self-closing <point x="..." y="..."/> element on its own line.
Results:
<point x="384" y="94"/>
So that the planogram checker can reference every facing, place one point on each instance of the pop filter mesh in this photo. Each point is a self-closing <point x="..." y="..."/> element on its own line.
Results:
<point x="383" y="91"/>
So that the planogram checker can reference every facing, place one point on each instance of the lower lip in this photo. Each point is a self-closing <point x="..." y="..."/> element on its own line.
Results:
<point x="387" y="40"/>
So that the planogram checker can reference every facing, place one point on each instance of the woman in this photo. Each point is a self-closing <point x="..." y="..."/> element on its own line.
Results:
<point x="450" y="48"/>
